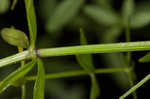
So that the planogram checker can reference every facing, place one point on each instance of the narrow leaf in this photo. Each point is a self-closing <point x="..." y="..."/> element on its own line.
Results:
<point x="85" y="60"/>
<point x="104" y="3"/>
<point x="140" y="19"/>
<point x="14" y="3"/>
<point x="63" y="14"/>
<point x="102" y="16"/>
<point x="40" y="82"/>
<point x="127" y="10"/>
<point x="145" y="58"/>
<point x="94" y="88"/>
<point x="114" y="60"/>
<point x="16" y="75"/>
<point x="46" y="8"/>
<point x="4" y="5"/>
<point x="111" y="34"/>
<point x="31" y="18"/>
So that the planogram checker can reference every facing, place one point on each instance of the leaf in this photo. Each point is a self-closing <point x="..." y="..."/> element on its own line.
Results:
<point x="15" y="37"/>
<point x="127" y="10"/>
<point x="145" y="58"/>
<point x="114" y="60"/>
<point x="111" y="34"/>
<point x="19" y="82"/>
<point x="140" y="19"/>
<point x="31" y="18"/>
<point x="104" y="3"/>
<point x="102" y="16"/>
<point x="63" y="14"/>
<point x="4" y="5"/>
<point x="94" y="88"/>
<point x="16" y="75"/>
<point x="47" y="7"/>
<point x="85" y="60"/>
<point x="14" y="3"/>
<point x="40" y="82"/>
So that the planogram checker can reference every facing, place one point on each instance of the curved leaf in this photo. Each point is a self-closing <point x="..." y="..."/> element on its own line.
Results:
<point x="85" y="60"/>
<point x="104" y="3"/>
<point x="127" y="10"/>
<point x="16" y="75"/>
<point x="140" y="19"/>
<point x="102" y="16"/>
<point x="31" y="18"/>
<point x="40" y="82"/>
<point x="111" y="34"/>
<point x="14" y="3"/>
<point x="145" y="58"/>
<point x="63" y="14"/>
<point x="15" y="37"/>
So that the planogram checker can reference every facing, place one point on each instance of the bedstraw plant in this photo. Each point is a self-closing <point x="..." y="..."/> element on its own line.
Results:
<point x="30" y="56"/>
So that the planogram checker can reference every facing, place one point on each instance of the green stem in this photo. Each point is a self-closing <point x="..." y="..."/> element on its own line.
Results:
<point x="131" y="81"/>
<point x="135" y="87"/>
<point x="131" y="73"/>
<point x="84" y="49"/>
<point x="14" y="58"/>
<point x="23" y="96"/>
<point x="78" y="73"/>
<point x="23" y="87"/>
<point x="128" y="39"/>
<point x="97" y="48"/>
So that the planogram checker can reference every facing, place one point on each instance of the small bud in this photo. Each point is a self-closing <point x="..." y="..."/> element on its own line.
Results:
<point x="15" y="37"/>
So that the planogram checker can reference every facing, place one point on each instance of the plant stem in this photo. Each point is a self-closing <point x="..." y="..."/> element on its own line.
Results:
<point x="128" y="39"/>
<point x="23" y="90"/>
<point x="78" y="73"/>
<point x="14" y="58"/>
<point x="131" y="73"/>
<point x="84" y="49"/>
<point x="23" y="87"/>
<point x="97" y="48"/>
<point x="135" y="87"/>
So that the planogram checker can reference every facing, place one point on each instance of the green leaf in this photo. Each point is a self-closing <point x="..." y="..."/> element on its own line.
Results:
<point x="145" y="58"/>
<point x="104" y="3"/>
<point x="14" y="3"/>
<point x="127" y="10"/>
<point x="94" y="88"/>
<point x="47" y="8"/>
<point x="111" y="34"/>
<point x="40" y="82"/>
<point x="15" y="37"/>
<point x="4" y="5"/>
<point x="140" y="19"/>
<point x="63" y="14"/>
<point x="102" y="16"/>
<point x="19" y="82"/>
<point x="31" y="18"/>
<point x="114" y="60"/>
<point x="85" y="60"/>
<point x="16" y="75"/>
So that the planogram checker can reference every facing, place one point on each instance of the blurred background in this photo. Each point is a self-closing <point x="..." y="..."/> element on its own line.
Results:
<point x="58" y="23"/>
